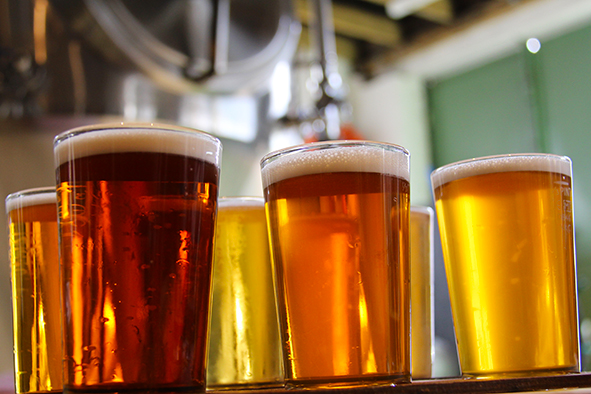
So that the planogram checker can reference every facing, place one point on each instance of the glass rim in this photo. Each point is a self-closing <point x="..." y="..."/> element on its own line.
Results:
<point x="10" y="200"/>
<point x="331" y="144"/>
<point x="440" y="171"/>
<point x="241" y="201"/>
<point x="422" y="209"/>
<point x="131" y="125"/>
<point x="338" y="156"/>
<point x="108" y="138"/>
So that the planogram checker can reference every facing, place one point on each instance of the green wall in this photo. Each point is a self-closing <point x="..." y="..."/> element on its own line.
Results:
<point x="485" y="111"/>
<point x="527" y="103"/>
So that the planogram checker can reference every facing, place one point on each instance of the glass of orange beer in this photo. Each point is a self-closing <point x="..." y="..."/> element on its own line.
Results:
<point x="136" y="213"/>
<point x="34" y="260"/>
<point x="338" y="216"/>
<point x="421" y="292"/>
<point x="506" y="226"/>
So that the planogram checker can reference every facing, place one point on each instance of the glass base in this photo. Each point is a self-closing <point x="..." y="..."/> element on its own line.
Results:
<point x="339" y="382"/>
<point x="520" y="374"/>
<point x="245" y="386"/>
<point x="133" y="389"/>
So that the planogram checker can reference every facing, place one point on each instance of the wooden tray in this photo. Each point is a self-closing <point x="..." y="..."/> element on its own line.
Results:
<point x="580" y="383"/>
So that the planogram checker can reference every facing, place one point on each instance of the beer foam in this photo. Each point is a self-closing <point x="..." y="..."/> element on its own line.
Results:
<point x="241" y="203"/>
<point x="502" y="163"/>
<point x="30" y="197"/>
<point x="337" y="156"/>
<point x="119" y="138"/>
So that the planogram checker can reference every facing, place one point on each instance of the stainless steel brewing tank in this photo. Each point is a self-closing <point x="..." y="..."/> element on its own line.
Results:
<point x="209" y="64"/>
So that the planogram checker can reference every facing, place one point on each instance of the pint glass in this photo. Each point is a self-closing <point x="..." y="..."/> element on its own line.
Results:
<point x="34" y="260"/>
<point x="506" y="226"/>
<point x="136" y="213"/>
<point x="244" y="344"/>
<point x="338" y="216"/>
<point x="421" y="293"/>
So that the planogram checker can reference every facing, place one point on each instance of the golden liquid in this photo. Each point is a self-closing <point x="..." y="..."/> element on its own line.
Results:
<point x="509" y="253"/>
<point x="244" y="341"/>
<point x="341" y="249"/>
<point x="36" y="299"/>
<point x="421" y="300"/>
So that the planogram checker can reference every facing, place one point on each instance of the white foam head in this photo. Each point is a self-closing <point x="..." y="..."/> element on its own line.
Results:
<point x="335" y="156"/>
<point x="240" y="203"/>
<point x="123" y="137"/>
<point x="30" y="197"/>
<point x="501" y="163"/>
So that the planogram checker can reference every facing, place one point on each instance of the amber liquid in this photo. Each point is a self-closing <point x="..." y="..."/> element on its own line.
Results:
<point x="244" y="346"/>
<point x="36" y="299"/>
<point x="340" y="245"/>
<point x="509" y="253"/>
<point x="137" y="241"/>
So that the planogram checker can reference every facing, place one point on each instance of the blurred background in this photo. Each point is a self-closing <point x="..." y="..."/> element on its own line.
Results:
<point x="446" y="79"/>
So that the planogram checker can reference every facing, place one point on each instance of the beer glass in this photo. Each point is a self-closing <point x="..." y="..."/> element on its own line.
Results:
<point x="421" y="292"/>
<point x="34" y="260"/>
<point x="506" y="226"/>
<point x="244" y="344"/>
<point x="338" y="216"/>
<point x="136" y="213"/>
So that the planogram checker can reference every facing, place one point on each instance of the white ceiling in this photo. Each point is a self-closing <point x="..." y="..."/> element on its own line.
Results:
<point x="497" y="37"/>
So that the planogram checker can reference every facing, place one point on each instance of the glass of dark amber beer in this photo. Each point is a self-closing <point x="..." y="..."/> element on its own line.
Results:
<point x="244" y="344"/>
<point x="34" y="260"/>
<point x="136" y="213"/>
<point x="506" y="226"/>
<point x="421" y="292"/>
<point x="338" y="216"/>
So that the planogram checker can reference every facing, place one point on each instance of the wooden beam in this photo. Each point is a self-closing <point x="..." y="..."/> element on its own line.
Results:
<point x="357" y="23"/>
<point x="489" y="10"/>
<point x="347" y="48"/>
<point x="440" y="11"/>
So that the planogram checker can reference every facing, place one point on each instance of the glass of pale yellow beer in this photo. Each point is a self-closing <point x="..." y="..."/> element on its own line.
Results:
<point x="506" y="226"/>
<point x="338" y="216"/>
<point x="34" y="260"/>
<point x="421" y="292"/>
<point x="245" y="349"/>
<point x="136" y="214"/>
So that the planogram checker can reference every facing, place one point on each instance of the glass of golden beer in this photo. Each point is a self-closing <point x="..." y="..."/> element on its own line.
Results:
<point x="34" y="260"/>
<point x="506" y="226"/>
<point x="338" y="216"/>
<point x="136" y="213"/>
<point x="421" y="292"/>
<point x="245" y="348"/>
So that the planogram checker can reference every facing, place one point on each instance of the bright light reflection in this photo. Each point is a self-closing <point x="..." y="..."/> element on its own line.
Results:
<point x="533" y="45"/>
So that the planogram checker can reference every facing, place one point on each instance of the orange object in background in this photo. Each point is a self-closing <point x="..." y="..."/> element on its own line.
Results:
<point x="347" y="132"/>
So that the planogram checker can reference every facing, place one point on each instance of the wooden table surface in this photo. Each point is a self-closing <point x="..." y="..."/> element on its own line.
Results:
<point x="579" y="383"/>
